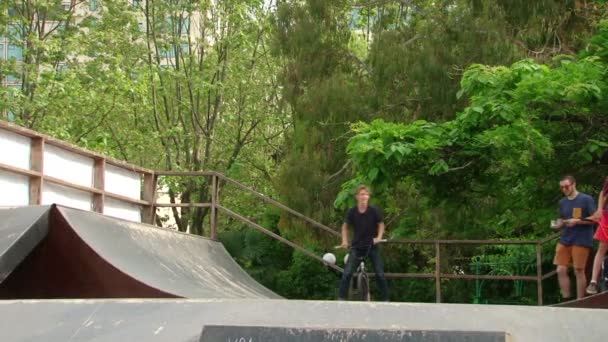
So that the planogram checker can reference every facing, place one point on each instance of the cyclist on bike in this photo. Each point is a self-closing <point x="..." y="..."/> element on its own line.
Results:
<point x="368" y="227"/>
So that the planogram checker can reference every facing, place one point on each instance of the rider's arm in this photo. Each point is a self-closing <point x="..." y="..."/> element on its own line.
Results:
<point x="589" y="209"/>
<point x="344" y="234"/>
<point x="601" y="201"/>
<point x="380" y="230"/>
<point x="592" y="209"/>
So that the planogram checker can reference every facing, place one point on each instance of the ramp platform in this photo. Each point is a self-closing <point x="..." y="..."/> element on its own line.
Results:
<point x="57" y="252"/>
<point x="294" y="321"/>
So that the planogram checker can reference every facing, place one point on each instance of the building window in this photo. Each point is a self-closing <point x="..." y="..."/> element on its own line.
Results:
<point x="8" y="50"/>
<point x="185" y="47"/>
<point x="11" y="79"/>
<point x="168" y="53"/>
<point x="174" y="24"/>
<point x="12" y="12"/>
<point x="355" y="17"/>
<point x="14" y="31"/>
<point x="13" y="90"/>
<point x="142" y="27"/>
<point x="15" y="52"/>
<point x="185" y="26"/>
<point x="93" y="5"/>
<point x="61" y="69"/>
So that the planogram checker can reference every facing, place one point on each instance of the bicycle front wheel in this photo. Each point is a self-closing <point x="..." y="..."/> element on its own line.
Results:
<point x="363" y="287"/>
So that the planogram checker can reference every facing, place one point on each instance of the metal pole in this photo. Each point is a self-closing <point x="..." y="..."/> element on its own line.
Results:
<point x="539" y="273"/>
<point x="437" y="272"/>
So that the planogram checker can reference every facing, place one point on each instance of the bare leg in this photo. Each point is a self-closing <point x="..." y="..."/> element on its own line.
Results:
<point x="597" y="262"/>
<point x="581" y="282"/>
<point x="564" y="281"/>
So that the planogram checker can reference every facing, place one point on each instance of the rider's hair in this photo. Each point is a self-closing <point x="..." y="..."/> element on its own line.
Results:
<point x="569" y="178"/>
<point x="361" y="188"/>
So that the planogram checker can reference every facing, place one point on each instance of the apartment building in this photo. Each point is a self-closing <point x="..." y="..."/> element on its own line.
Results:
<point x="80" y="10"/>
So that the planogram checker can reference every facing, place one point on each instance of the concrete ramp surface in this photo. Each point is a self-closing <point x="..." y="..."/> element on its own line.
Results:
<point x="57" y="252"/>
<point x="253" y="320"/>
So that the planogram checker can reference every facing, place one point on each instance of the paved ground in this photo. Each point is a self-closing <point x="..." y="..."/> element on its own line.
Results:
<point x="183" y="320"/>
<point x="56" y="252"/>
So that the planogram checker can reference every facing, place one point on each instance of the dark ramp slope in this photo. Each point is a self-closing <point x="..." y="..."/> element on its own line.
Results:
<point x="56" y="252"/>
<point x="598" y="301"/>
<point x="21" y="230"/>
<point x="179" y="264"/>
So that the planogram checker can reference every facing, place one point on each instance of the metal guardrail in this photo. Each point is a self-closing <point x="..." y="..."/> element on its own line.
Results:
<point x="218" y="178"/>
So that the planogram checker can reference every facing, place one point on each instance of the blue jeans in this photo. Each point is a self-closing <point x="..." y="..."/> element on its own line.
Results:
<point x="353" y="262"/>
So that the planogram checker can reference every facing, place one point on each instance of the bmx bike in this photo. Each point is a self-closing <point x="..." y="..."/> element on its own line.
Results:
<point x="360" y="280"/>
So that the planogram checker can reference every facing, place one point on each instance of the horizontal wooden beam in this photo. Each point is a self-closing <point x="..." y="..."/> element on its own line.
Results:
<point x="462" y="242"/>
<point x="550" y="274"/>
<point x="407" y="275"/>
<point x="71" y="185"/>
<point x="127" y="199"/>
<point x="20" y="171"/>
<point x="67" y="184"/>
<point x="487" y="277"/>
<point x="182" y="205"/>
<point x="456" y="276"/>
<point x="186" y="173"/>
<point x="550" y="238"/>
<point x="72" y="148"/>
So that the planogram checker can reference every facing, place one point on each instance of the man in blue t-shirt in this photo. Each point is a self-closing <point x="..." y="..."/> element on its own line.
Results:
<point x="577" y="236"/>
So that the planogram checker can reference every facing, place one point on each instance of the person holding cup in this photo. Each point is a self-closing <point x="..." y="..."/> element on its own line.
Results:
<point x="577" y="236"/>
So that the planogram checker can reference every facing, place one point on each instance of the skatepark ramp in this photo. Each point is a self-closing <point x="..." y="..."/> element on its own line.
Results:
<point x="598" y="301"/>
<point x="292" y="321"/>
<point x="57" y="252"/>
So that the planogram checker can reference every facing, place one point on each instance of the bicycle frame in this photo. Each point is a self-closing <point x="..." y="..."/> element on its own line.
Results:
<point x="360" y="281"/>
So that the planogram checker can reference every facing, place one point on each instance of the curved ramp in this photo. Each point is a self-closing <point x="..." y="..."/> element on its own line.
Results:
<point x="21" y="230"/>
<point x="180" y="264"/>
<point x="598" y="301"/>
<point x="81" y="254"/>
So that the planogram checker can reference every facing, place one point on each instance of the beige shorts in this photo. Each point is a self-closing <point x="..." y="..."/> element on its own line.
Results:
<point x="571" y="255"/>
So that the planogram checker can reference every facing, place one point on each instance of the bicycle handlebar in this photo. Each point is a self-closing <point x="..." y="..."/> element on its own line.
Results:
<point x="377" y="243"/>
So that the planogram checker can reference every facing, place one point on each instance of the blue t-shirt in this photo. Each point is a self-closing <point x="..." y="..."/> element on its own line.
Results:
<point x="581" y="206"/>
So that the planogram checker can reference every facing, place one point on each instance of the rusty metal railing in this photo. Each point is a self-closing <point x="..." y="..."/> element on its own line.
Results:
<point x="218" y="179"/>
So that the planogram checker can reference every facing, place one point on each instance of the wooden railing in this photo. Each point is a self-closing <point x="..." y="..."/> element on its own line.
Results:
<point x="149" y="204"/>
<point x="37" y="176"/>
